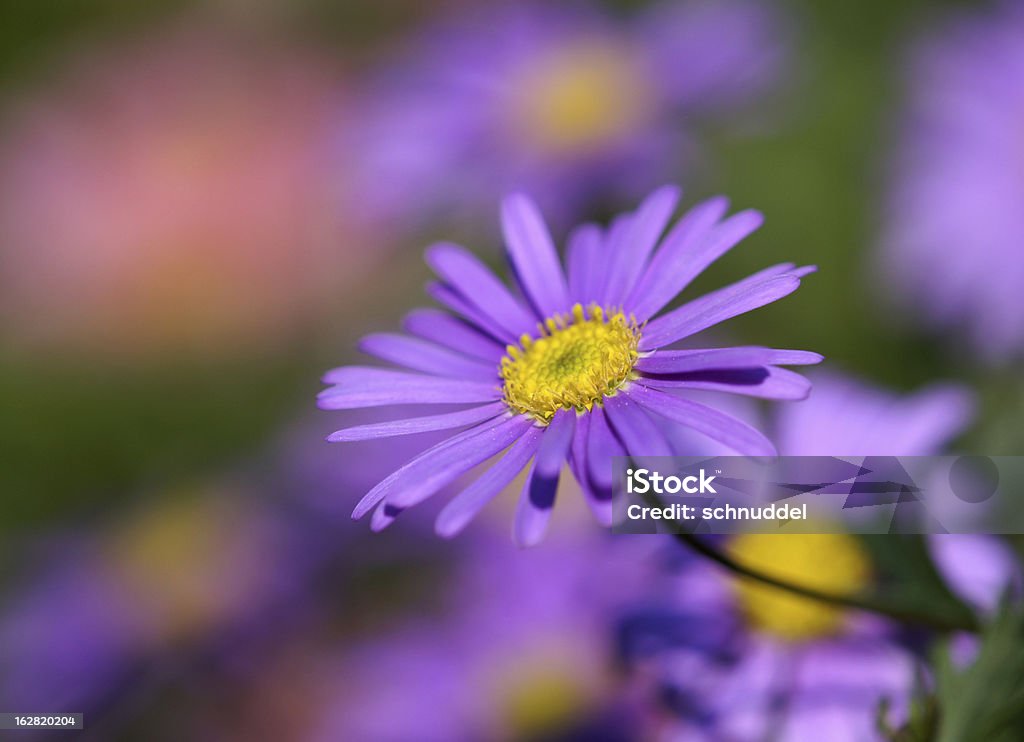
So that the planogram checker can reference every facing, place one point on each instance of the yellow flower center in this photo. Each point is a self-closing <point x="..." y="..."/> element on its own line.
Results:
<point x="174" y="558"/>
<point x="540" y="683"/>
<point x="577" y="361"/>
<point x="579" y="97"/>
<point x="540" y="700"/>
<point x="834" y="563"/>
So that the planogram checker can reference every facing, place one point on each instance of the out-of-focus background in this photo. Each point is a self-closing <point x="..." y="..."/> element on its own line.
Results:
<point x="203" y="205"/>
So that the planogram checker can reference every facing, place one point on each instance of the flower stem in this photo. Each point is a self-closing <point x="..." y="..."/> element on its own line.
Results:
<point x="862" y="603"/>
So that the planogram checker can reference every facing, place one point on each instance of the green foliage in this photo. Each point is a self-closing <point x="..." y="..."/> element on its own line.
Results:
<point x="909" y="583"/>
<point x="33" y="33"/>
<point x="985" y="700"/>
<point x="76" y="438"/>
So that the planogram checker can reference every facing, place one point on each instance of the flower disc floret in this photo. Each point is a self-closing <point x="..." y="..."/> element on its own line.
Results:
<point x="577" y="361"/>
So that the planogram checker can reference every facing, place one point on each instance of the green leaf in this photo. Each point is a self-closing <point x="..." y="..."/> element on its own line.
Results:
<point x="909" y="582"/>
<point x="985" y="700"/>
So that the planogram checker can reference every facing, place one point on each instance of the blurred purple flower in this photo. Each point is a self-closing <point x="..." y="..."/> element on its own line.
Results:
<point x="951" y="244"/>
<point x="523" y="651"/>
<point x="66" y="640"/>
<point x="760" y="663"/>
<point x="847" y="417"/>
<point x="757" y="660"/>
<point x="574" y="369"/>
<point x="172" y="576"/>
<point x="563" y="101"/>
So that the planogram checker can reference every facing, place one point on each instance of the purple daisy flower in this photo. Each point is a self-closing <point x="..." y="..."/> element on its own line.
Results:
<point x="559" y="100"/>
<point x="794" y="667"/>
<point x="576" y="368"/>
<point x="951" y="244"/>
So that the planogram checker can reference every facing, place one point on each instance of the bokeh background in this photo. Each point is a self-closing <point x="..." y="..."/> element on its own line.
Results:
<point x="204" y="205"/>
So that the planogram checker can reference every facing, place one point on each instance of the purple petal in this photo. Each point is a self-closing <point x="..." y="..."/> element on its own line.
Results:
<point x="683" y="361"/>
<point x="874" y="421"/>
<point x="732" y="53"/>
<point x="932" y="417"/>
<point x="766" y="382"/>
<point x="533" y="513"/>
<point x="555" y="446"/>
<point x="462" y="508"/>
<point x="413" y="425"/>
<point x="714" y="424"/>
<point x="600" y="503"/>
<point x="416" y="482"/>
<point x="454" y="333"/>
<point x="422" y="355"/>
<point x="716" y="307"/>
<point x="637" y="431"/>
<point x="480" y="287"/>
<point x="534" y="256"/>
<point x="839" y="683"/>
<point x="613" y="242"/>
<point x="687" y="253"/>
<point x="452" y="299"/>
<point x="585" y="274"/>
<point x="600" y="506"/>
<point x="372" y="498"/>
<point x="360" y="386"/>
<point x="383" y="517"/>
<point x="602" y="447"/>
<point x="657" y="286"/>
<point x="978" y="568"/>
<point x="629" y="259"/>
<point x="538" y="498"/>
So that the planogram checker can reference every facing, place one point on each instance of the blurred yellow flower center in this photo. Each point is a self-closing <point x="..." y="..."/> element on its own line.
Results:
<point x="539" y="700"/>
<point x="578" y="360"/>
<point x="173" y="559"/>
<point x="580" y="97"/>
<point x="834" y="563"/>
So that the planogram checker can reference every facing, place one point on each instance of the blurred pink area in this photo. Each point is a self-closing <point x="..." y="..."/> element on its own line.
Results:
<point x="176" y="195"/>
